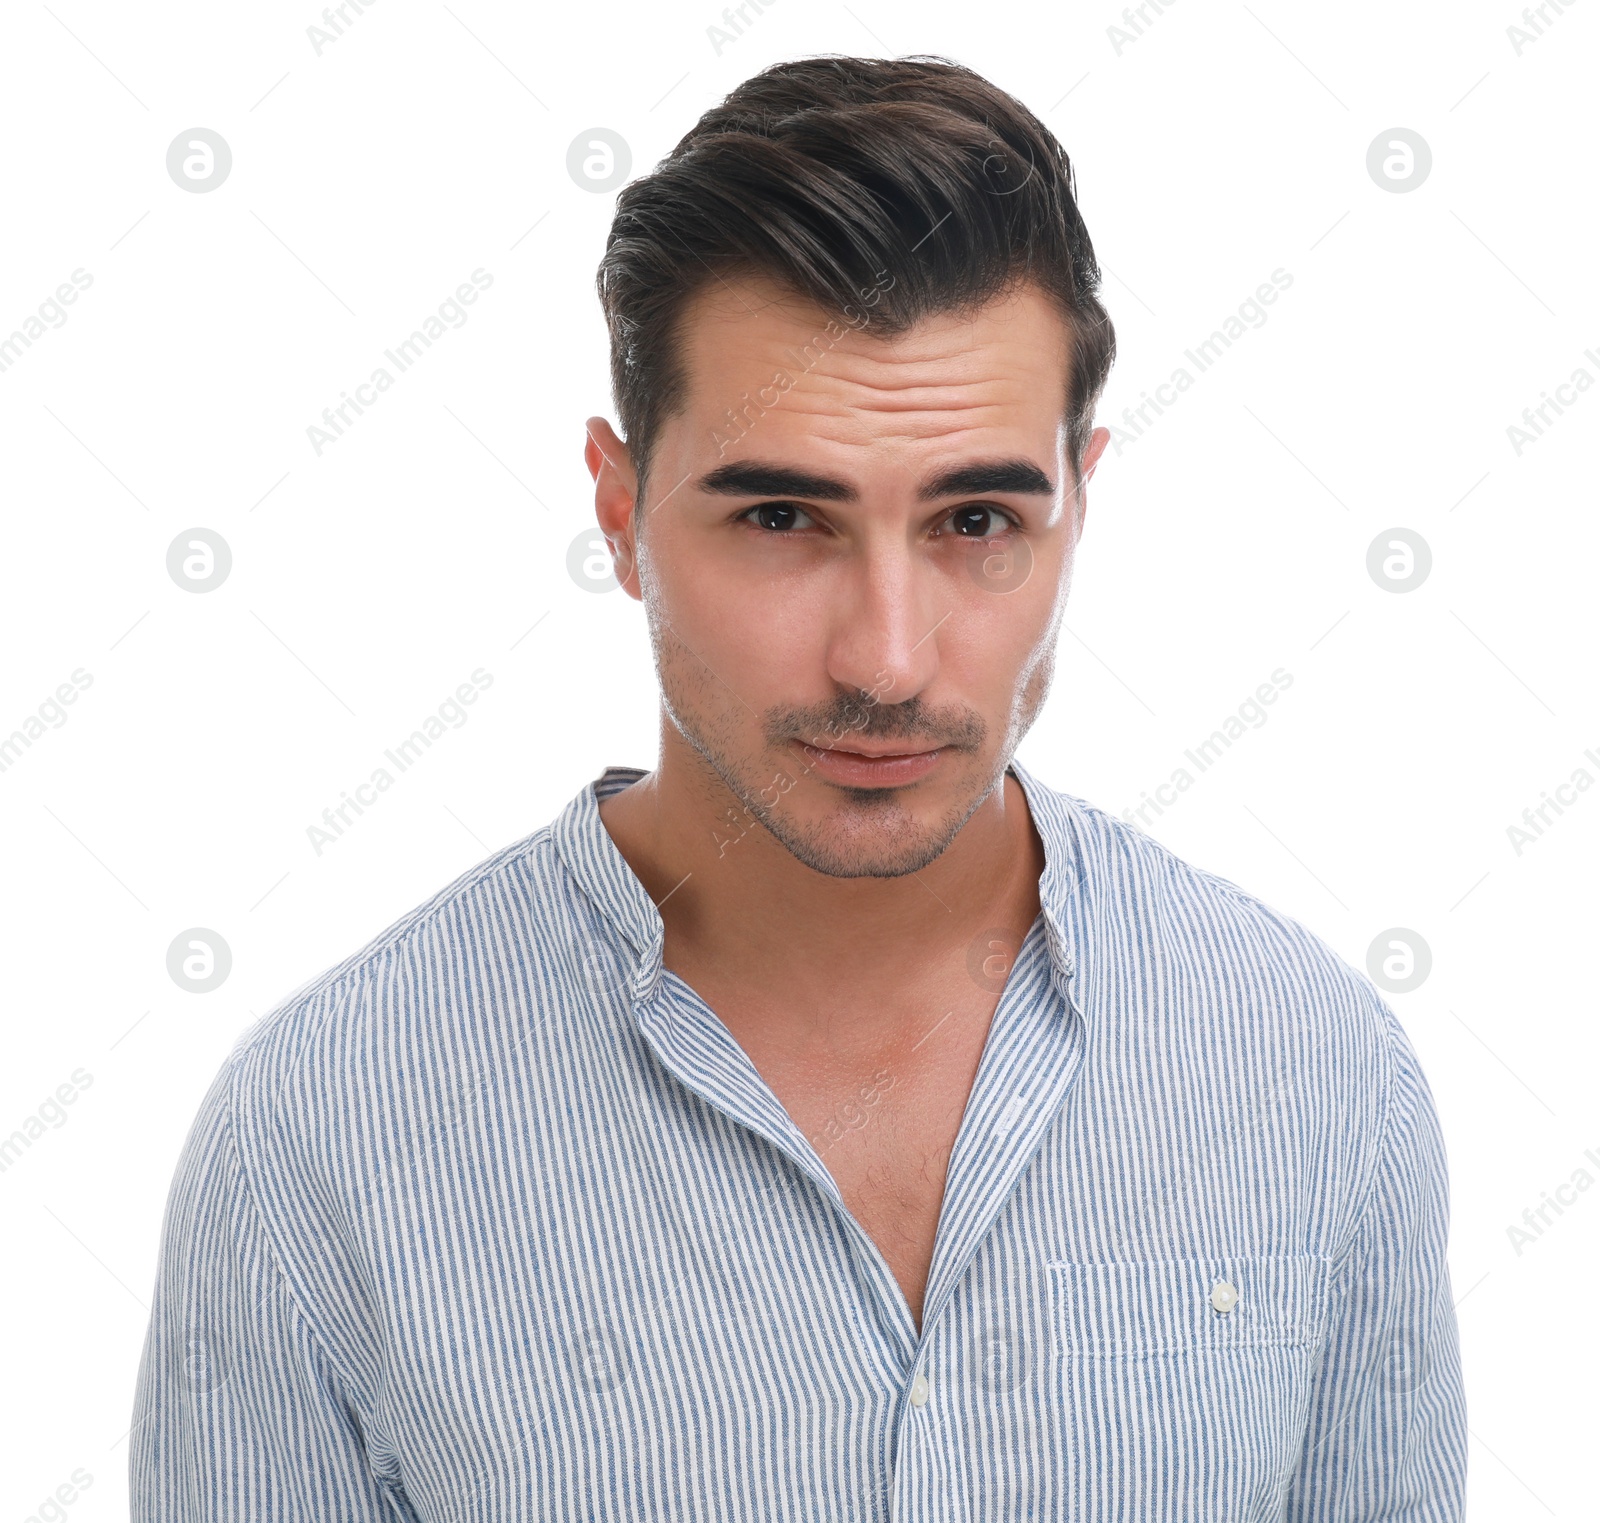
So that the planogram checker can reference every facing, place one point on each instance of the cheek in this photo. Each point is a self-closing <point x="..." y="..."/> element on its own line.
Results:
<point x="1037" y="688"/>
<point x="994" y="640"/>
<point x="740" y="641"/>
<point x="725" y="641"/>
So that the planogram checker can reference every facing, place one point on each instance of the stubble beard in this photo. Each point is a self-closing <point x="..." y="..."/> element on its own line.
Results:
<point x="864" y="832"/>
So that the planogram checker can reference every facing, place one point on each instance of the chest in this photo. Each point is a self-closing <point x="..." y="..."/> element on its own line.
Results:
<point x="652" y="1283"/>
<point x="884" y="1126"/>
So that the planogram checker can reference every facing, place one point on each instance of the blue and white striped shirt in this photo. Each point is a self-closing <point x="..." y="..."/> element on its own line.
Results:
<point x="496" y="1221"/>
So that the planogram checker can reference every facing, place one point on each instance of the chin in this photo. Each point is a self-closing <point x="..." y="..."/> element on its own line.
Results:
<point x="851" y="860"/>
<point x="875" y="832"/>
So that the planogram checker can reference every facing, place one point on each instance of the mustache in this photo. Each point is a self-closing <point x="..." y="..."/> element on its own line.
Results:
<point x="866" y="719"/>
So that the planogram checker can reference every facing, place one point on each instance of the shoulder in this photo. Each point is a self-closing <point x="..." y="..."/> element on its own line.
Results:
<point x="455" y="960"/>
<point x="1262" y="1030"/>
<point x="1257" y="971"/>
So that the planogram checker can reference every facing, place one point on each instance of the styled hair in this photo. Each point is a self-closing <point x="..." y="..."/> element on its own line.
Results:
<point x="831" y="175"/>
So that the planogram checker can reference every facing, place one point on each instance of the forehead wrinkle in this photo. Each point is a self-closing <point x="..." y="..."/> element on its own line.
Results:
<point x="940" y="372"/>
<point x="818" y="411"/>
<point x="967" y="385"/>
<point x="906" y="431"/>
<point x="913" y="417"/>
<point x="975" y="389"/>
<point x="1004" y="389"/>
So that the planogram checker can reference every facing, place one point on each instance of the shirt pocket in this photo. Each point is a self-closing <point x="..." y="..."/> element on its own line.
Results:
<point x="1186" y="1382"/>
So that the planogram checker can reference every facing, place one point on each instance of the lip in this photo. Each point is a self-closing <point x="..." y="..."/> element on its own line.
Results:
<point x="881" y="769"/>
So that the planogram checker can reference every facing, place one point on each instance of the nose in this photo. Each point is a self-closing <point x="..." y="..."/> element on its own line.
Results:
<point x="884" y="639"/>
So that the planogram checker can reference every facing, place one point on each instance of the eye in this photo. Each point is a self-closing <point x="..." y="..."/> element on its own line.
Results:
<point x="970" y="521"/>
<point x="776" y="517"/>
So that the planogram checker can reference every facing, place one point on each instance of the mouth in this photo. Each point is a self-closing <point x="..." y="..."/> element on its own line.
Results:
<point x="876" y="768"/>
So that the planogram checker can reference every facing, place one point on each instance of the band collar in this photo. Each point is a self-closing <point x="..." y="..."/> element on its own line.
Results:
<point x="1066" y="902"/>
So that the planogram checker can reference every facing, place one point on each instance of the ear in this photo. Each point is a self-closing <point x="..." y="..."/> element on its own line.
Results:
<point x="1091" y="456"/>
<point x="615" y="489"/>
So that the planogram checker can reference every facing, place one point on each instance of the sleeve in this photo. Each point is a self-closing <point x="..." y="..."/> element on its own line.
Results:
<point x="238" y="1415"/>
<point x="1387" y="1433"/>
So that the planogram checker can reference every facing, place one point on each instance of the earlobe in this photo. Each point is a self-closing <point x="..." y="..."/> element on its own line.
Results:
<point x="625" y="571"/>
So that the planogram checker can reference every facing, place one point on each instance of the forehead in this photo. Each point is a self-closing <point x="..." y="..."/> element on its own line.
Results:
<point x="764" y="352"/>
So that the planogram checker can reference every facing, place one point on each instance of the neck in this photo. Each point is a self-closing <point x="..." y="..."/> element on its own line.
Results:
<point x="746" y="920"/>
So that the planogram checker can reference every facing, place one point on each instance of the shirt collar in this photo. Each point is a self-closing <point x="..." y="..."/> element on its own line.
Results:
<point x="1067" y="902"/>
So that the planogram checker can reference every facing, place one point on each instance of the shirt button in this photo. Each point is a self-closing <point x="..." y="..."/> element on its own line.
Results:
<point x="919" y="1391"/>
<point x="1224" y="1297"/>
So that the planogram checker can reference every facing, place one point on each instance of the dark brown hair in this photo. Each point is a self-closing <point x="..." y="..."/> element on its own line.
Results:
<point x="833" y="175"/>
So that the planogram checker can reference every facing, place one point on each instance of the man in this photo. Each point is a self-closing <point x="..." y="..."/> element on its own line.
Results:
<point x="836" y="1122"/>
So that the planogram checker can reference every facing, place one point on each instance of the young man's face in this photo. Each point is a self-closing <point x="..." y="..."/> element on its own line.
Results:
<point x="820" y="581"/>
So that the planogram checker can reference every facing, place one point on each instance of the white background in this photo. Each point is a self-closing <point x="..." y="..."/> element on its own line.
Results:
<point x="1231" y="539"/>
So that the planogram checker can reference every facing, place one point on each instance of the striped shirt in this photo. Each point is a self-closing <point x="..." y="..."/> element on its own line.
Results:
<point x="495" y="1220"/>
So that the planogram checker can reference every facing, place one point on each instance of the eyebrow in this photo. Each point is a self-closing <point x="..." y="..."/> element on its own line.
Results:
<point x="760" y="478"/>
